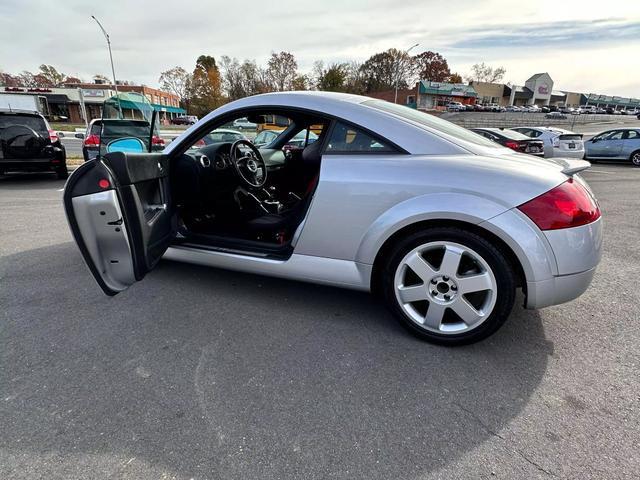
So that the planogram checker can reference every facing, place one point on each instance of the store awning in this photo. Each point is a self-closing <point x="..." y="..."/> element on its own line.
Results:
<point x="159" y="108"/>
<point x="447" y="89"/>
<point x="169" y="109"/>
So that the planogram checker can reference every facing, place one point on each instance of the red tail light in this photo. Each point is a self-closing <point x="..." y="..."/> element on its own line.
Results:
<point x="156" y="140"/>
<point x="53" y="136"/>
<point x="512" y="145"/>
<point x="92" y="141"/>
<point x="568" y="205"/>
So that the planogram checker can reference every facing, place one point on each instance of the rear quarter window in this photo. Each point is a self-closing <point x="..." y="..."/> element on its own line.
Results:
<point x="34" y="122"/>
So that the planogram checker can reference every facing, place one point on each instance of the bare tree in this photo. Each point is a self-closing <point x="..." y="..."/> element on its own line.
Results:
<point x="51" y="75"/>
<point x="282" y="70"/>
<point x="176" y="80"/>
<point x="480" y="72"/>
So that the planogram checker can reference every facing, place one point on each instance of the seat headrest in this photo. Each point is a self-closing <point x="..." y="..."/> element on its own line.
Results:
<point x="311" y="153"/>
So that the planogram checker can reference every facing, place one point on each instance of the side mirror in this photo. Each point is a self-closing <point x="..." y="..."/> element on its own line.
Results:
<point x="127" y="145"/>
<point x="79" y="135"/>
<point x="60" y="134"/>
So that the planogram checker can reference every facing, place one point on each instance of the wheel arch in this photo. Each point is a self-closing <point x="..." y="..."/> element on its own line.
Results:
<point x="632" y="154"/>
<point x="391" y="241"/>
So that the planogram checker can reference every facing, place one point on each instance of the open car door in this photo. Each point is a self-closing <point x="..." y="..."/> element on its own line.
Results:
<point x="119" y="205"/>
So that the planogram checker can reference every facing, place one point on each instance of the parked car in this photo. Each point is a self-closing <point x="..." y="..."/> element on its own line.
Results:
<point x="533" y="109"/>
<point x="469" y="108"/>
<point x="513" y="140"/>
<point x="492" y="107"/>
<point x="512" y="108"/>
<point x="95" y="137"/>
<point x="478" y="107"/>
<point x="557" y="142"/>
<point x="28" y="144"/>
<point x="619" y="144"/>
<point x="266" y="137"/>
<point x="300" y="140"/>
<point x="545" y="109"/>
<point x="601" y="111"/>
<point x="556" y="116"/>
<point x="587" y="109"/>
<point x="244" y="124"/>
<point x="442" y="223"/>
<point x="455" y="107"/>
<point x="185" y="120"/>
<point x="219" y="135"/>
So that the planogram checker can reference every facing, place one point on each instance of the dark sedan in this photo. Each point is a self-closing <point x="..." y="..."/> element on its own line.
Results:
<point x="513" y="140"/>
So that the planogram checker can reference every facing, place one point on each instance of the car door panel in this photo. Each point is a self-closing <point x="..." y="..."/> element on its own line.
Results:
<point x="121" y="215"/>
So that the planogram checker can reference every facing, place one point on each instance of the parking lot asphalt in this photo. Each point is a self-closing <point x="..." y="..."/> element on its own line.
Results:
<point x="203" y="373"/>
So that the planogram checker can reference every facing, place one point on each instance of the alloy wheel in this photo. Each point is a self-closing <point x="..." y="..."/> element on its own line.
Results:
<point x="445" y="287"/>
<point x="635" y="159"/>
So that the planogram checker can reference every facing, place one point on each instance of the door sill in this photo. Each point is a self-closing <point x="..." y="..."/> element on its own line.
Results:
<point x="235" y="246"/>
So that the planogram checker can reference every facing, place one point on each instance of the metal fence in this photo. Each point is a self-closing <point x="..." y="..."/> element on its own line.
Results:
<point x="521" y="119"/>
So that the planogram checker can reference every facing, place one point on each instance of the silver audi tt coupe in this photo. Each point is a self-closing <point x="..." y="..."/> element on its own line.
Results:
<point x="441" y="223"/>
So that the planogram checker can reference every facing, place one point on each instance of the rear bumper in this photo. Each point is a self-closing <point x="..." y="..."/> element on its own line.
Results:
<point x="557" y="290"/>
<point x="579" y="154"/>
<point x="577" y="251"/>
<point x="34" y="164"/>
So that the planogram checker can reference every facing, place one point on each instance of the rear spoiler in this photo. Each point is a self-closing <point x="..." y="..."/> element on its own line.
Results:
<point x="571" y="167"/>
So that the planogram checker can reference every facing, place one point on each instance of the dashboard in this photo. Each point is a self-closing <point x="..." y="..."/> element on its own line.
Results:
<point x="218" y="157"/>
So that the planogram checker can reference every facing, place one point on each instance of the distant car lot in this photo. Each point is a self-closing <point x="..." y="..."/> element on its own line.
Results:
<point x="221" y="374"/>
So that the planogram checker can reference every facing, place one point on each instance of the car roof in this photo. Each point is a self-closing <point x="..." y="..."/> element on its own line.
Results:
<point x="14" y="111"/>
<point x="412" y="136"/>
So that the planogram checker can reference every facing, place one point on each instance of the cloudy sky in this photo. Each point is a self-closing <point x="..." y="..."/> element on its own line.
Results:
<point x="585" y="45"/>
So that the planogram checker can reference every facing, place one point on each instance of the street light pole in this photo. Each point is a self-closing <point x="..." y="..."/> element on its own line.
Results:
<point x="113" y="70"/>
<point x="395" y="98"/>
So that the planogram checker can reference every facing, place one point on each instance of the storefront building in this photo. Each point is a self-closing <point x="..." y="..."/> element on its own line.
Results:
<point x="436" y="95"/>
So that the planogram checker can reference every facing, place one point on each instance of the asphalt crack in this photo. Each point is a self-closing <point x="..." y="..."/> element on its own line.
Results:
<point x="492" y="432"/>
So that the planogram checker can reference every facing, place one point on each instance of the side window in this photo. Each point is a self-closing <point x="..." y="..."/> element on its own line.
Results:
<point x="632" y="135"/>
<point x="615" y="135"/>
<point x="345" y="138"/>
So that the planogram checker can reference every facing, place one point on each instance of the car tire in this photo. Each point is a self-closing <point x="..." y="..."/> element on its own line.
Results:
<point x="635" y="158"/>
<point x="467" y="315"/>
<point x="62" y="173"/>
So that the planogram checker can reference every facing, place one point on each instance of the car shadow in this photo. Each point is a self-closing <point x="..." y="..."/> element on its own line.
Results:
<point x="205" y="373"/>
<point x="19" y="180"/>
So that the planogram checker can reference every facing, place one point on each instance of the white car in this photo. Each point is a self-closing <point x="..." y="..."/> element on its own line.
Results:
<point x="456" y="107"/>
<point x="534" y="109"/>
<point x="557" y="141"/>
<point x="244" y="124"/>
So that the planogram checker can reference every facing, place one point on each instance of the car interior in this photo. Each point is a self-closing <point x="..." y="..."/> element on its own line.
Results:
<point x="231" y="194"/>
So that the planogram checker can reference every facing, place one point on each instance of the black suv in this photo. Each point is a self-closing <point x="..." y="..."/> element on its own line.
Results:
<point x="28" y="144"/>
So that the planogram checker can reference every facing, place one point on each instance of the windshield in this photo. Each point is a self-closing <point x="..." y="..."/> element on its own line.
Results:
<point x="126" y="121"/>
<point x="430" y="121"/>
<point x="510" y="134"/>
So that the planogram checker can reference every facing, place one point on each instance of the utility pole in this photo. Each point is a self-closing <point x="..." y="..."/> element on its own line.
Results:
<point x="395" y="98"/>
<point x="113" y="70"/>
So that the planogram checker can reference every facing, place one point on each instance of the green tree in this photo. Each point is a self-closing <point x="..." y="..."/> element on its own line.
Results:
<point x="205" y="88"/>
<point x="334" y="78"/>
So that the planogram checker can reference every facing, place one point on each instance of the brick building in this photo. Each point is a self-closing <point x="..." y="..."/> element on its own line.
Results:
<point x="65" y="102"/>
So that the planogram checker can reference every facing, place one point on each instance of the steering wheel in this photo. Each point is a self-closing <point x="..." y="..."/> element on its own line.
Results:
<point x="249" y="165"/>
